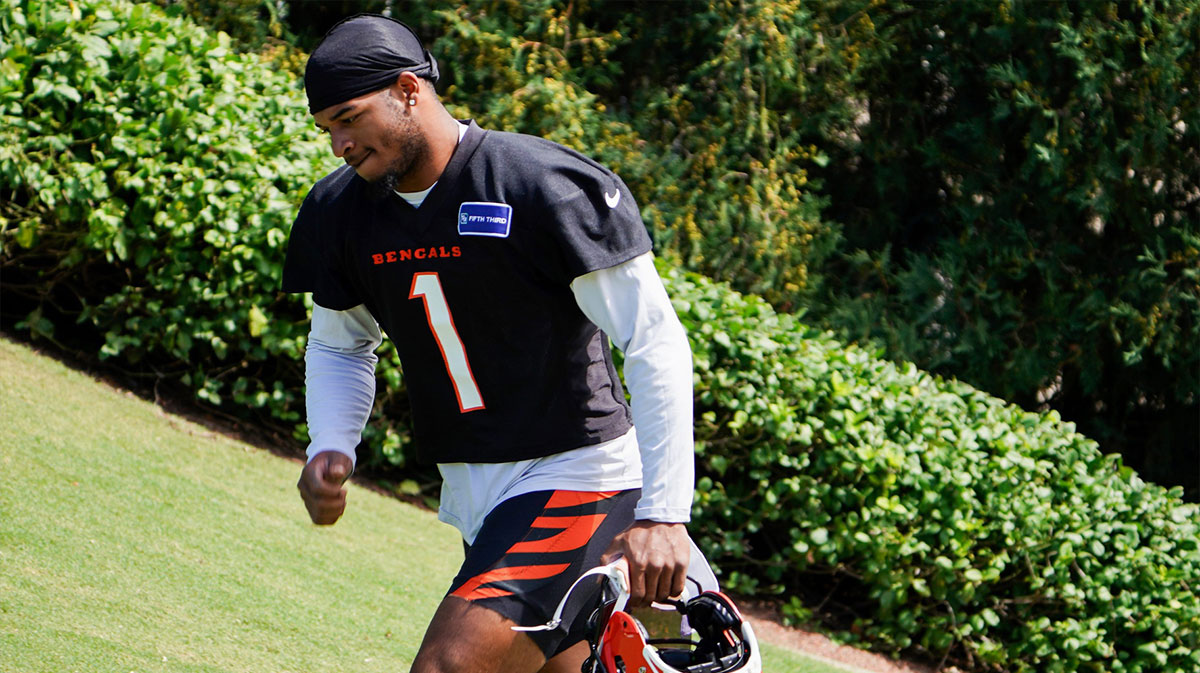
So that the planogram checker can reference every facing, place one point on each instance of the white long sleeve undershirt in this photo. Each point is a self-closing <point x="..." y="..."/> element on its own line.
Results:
<point x="339" y="375"/>
<point x="628" y="302"/>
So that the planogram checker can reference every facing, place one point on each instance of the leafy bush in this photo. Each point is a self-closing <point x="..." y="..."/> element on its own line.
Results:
<point x="150" y="177"/>
<point x="939" y="518"/>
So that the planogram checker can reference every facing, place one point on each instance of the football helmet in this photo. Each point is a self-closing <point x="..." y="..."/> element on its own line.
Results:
<point x="722" y="640"/>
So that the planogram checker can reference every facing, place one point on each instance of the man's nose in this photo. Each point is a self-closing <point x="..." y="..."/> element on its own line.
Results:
<point x="341" y="143"/>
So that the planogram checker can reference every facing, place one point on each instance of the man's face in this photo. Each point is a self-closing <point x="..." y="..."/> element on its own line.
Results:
<point x="376" y="135"/>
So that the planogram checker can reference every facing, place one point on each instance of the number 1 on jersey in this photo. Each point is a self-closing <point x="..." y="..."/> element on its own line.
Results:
<point x="428" y="287"/>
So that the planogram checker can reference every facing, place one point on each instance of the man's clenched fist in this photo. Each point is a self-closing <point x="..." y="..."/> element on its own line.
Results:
<point x="321" y="486"/>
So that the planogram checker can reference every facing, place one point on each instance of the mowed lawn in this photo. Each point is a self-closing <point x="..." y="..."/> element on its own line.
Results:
<point x="131" y="540"/>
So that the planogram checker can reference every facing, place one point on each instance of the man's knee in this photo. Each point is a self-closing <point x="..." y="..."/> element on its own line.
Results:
<point x="468" y="638"/>
<point x="439" y="657"/>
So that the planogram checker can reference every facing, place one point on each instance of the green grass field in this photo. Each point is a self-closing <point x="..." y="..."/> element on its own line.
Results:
<point x="135" y="541"/>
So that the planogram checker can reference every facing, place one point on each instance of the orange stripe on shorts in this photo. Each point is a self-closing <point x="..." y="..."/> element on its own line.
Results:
<point x="471" y="589"/>
<point x="576" y="532"/>
<point x="572" y="498"/>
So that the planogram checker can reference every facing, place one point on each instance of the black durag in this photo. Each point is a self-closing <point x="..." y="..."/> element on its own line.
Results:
<point x="362" y="54"/>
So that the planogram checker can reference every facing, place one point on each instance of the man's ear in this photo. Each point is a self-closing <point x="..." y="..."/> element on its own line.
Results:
<point x="407" y="87"/>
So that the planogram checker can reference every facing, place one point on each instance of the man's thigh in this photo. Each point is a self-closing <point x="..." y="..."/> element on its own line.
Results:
<point x="466" y="637"/>
<point x="529" y="551"/>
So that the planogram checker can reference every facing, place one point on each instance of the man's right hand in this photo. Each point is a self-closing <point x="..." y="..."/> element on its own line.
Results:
<point x="321" y="486"/>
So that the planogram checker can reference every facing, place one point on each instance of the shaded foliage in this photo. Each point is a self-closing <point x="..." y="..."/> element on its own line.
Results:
<point x="1022" y="211"/>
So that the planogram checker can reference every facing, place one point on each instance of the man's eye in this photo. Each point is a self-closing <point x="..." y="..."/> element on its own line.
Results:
<point x="350" y="120"/>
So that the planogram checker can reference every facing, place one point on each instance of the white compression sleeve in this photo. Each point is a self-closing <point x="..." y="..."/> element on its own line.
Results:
<point x="339" y="374"/>
<point x="630" y="304"/>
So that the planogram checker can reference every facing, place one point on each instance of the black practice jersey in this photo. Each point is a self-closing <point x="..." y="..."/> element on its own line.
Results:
<point x="473" y="288"/>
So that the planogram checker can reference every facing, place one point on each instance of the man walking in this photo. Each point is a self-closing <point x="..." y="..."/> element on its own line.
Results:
<point x="499" y="265"/>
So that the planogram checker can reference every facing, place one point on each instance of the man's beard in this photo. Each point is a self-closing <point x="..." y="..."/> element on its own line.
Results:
<point x="410" y="148"/>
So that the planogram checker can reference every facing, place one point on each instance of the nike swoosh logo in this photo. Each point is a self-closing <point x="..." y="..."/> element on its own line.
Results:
<point x="612" y="200"/>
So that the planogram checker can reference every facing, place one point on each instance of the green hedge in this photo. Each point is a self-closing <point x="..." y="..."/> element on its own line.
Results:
<point x="149" y="177"/>
<point x="950" y="522"/>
